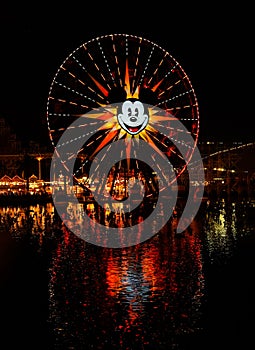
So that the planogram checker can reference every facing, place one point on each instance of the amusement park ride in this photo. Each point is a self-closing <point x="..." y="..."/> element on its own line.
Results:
<point x="122" y="87"/>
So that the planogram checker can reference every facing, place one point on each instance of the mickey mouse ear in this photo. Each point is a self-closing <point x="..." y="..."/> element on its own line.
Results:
<point x="117" y="94"/>
<point x="146" y="95"/>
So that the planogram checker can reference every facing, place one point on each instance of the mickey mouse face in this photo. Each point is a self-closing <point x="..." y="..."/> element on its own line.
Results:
<point x="133" y="119"/>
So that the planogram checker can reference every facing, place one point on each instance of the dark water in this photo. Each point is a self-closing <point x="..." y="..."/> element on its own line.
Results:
<point x="188" y="291"/>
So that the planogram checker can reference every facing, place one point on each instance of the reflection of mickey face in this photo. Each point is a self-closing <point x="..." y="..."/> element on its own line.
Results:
<point x="132" y="119"/>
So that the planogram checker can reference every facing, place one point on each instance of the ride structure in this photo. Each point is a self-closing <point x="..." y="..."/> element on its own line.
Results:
<point x="127" y="88"/>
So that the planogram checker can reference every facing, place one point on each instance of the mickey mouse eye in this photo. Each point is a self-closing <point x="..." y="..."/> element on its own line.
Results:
<point x="136" y="112"/>
<point x="129" y="112"/>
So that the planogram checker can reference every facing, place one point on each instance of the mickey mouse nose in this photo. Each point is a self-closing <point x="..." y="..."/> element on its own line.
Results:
<point x="133" y="119"/>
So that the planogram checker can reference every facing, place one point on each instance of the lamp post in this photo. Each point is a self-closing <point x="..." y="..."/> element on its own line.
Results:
<point x="39" y="158"/>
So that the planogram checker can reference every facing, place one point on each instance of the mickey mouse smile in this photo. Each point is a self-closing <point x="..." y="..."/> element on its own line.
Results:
<point x="133" y="129"/>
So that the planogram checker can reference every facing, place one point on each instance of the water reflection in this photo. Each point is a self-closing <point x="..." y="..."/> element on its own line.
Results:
<point x="148" y="296"/>
<point x="224" y="224"/>
<point x="35" y="218"/>
<point x="130" y="298"/>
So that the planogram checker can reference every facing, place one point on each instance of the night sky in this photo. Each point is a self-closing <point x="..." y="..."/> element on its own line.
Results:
<point x="213" y="45"/>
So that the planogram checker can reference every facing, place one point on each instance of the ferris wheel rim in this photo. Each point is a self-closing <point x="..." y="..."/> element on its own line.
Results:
<point x="120" y="35"/>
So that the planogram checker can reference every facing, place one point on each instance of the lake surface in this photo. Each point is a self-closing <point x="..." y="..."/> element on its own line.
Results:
<point x="174" y="291"/>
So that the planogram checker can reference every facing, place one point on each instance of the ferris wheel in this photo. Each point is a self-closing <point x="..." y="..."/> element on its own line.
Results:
<point x="142" y="77"/>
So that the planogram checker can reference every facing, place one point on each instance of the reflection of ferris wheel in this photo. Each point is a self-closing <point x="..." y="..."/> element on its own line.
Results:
<point x="115" y="68"/>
